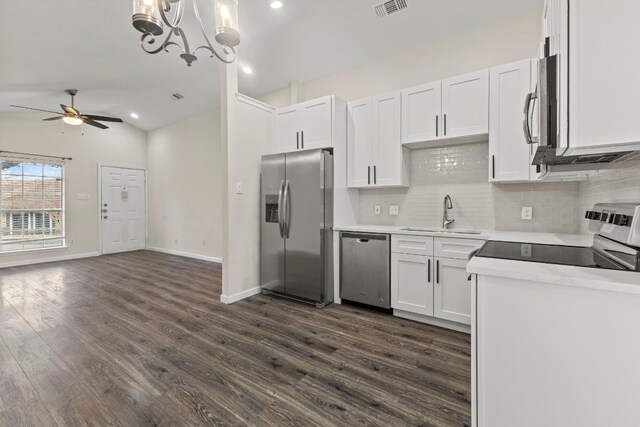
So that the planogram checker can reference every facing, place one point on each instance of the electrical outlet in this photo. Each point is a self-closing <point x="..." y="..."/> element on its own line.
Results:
<point x="393" y="210"/>
<point x="239" y="188"/>
<point x="527" y="213"/>
<point x="376" y="209"/>
<point x="525" y="250"/>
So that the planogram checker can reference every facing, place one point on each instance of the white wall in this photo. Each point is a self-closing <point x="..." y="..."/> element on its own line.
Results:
<point x="184" y="185"/>
<point x="245" y="139"/>
<point x="121" y="145"/>
<point x="500" y="43"/>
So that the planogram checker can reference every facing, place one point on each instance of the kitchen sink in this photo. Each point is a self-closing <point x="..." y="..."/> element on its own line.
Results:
<point x="441" y="230"/>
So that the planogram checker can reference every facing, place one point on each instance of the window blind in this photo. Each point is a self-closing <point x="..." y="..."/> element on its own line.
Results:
<point x="31" y="203"/>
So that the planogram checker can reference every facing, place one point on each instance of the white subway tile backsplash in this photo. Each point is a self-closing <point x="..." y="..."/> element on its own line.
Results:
<point x="462" y="172"/>
<point x="619" y="184"/>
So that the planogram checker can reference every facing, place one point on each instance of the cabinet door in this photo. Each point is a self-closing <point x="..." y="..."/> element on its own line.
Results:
<point x="465" y="104"/>
<point x="316" y="129"/>
<point x="360" y="140"/>
<point x="285" y="130"/>
<point x="508" y="149"/>
<point x="421" y="113"/>
<point x="387" y="146"/>
<point x="452" y="294"/>
<point x="604" y="89"/>
<point x="412" y="283"/>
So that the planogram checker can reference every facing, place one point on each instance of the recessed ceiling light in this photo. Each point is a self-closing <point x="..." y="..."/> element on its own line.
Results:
<point x="247" y="70"/>
<point x="276" y="4"/>
<point x="134" y="115"/>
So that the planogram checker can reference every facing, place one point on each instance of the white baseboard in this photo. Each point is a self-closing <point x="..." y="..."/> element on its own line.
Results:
<point x="432" y="321"/>
<point x="185" y="254"/>
<point x="230" y="299"/>
<point x="21" y="262"/>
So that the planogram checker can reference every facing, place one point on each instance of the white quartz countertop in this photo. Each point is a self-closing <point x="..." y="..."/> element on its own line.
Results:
<point x="505" y="236"/>
<point x="594" y="278"/>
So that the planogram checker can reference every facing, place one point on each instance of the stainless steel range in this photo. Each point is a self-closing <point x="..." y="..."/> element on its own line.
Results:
<point x="616" y="244"/>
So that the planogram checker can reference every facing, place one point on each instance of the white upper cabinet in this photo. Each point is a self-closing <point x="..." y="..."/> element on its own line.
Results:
<point x="360" y="140"/>
<point x="465" y="105"/>
<point x="598" y="58"/>
<point x="509" y="150"/>
<point x="422" y="113"/>
<point x="316" y="128"/>
<point x="604" y="89"/>
<point x="451" y="110"/>
<point x="304" y="126"/>
<point x="376" y="156"/>
<point x="285" y="130"/>
<point x="388" y="168"/>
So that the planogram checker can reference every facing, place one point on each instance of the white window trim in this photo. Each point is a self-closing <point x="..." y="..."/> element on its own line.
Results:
<point x="63" y="245"/>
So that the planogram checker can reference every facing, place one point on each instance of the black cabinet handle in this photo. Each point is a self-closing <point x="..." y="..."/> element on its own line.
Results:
<point x="429" y="270"/>
<point x="438" y="271"/>
<point x="375" y="175"/>
<point x="445" y="125"/>
<point x="437" y="121"/>
<point x="302" y="132"/>
<point x="493" y="167"/>
<point x="368" y="174"/>
<point x="297" y="140"/>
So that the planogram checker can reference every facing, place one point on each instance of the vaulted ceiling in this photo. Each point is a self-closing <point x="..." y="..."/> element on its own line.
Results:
<point x="47" y="46"/>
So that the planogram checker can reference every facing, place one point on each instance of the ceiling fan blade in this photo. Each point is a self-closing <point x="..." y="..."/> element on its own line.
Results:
<point x="50" y="119"/>
<point x="70" y="110"/>
<point x="102" y="118"/>
<point x="37" y="109"/>
<point x="95" y="124"/>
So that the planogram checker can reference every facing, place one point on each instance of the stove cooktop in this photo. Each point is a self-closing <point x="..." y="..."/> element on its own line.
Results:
<point x="548" y="254"/>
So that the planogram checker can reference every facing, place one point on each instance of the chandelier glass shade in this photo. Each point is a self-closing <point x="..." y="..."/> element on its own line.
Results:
<point x="162" y="18"/>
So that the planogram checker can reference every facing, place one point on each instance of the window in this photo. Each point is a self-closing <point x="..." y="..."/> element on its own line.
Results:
<point x="31" y="204"/>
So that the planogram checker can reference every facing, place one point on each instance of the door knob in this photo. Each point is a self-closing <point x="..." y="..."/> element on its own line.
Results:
<point x="104" y="211"/>
<point x="105" y="217"/>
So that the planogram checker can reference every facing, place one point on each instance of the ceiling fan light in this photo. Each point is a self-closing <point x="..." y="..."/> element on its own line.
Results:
<point x="226" y="14"/>
<point x="73" y="121"/>
<point x="146" y="17"/>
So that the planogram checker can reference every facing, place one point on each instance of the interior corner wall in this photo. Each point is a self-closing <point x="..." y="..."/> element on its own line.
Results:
<point x="120" y="145"/>
<point x="184" y="188"/>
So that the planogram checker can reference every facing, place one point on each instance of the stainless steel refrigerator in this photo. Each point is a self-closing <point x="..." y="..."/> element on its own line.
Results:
<point x="296" y="245"/>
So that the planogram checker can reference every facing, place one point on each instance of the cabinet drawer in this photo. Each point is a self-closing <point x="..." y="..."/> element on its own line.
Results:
<point x="455" y="248"/>
<point x="416" y="245"/>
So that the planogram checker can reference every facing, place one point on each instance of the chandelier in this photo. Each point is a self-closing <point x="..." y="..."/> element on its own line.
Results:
<point x="150" y="17"/>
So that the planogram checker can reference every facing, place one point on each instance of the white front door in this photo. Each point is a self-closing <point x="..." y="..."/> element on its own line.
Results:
<point x="123" y="209"/>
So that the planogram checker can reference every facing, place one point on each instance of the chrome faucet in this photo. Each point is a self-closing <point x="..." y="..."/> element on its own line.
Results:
<point x="447" y="205"/>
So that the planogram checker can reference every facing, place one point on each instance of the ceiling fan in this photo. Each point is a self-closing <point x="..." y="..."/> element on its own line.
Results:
<point x="73" y="117"/>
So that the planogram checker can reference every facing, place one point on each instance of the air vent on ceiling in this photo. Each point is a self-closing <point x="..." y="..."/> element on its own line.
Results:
<point x="390" y="7"/>
<point x="177" y="96"/>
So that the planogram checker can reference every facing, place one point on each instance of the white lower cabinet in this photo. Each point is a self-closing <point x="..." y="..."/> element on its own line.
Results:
<point x="412" y="283"/>
<point x="452" y="291"/>
<point x="425" y="283"/>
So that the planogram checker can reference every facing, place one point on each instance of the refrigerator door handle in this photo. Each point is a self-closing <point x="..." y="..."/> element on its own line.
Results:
<point x="281" y="209"/>
<point x="287" y="220"/>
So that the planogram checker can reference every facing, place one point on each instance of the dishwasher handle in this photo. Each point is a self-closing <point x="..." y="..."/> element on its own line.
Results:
<point x="364" y="237"/>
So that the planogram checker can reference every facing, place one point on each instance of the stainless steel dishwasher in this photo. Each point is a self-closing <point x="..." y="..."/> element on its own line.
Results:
<point x="364" y="268"/>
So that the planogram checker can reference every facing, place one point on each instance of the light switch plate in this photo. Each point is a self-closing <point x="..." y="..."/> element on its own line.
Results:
<point x="376" y="209"/>
<point x="239" y="188"/>
<point x="527" y="213"/>
<point x="393" y="210"/>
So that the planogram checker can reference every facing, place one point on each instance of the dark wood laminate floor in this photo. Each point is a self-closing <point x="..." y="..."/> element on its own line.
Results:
<point x="141" y="339"/>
